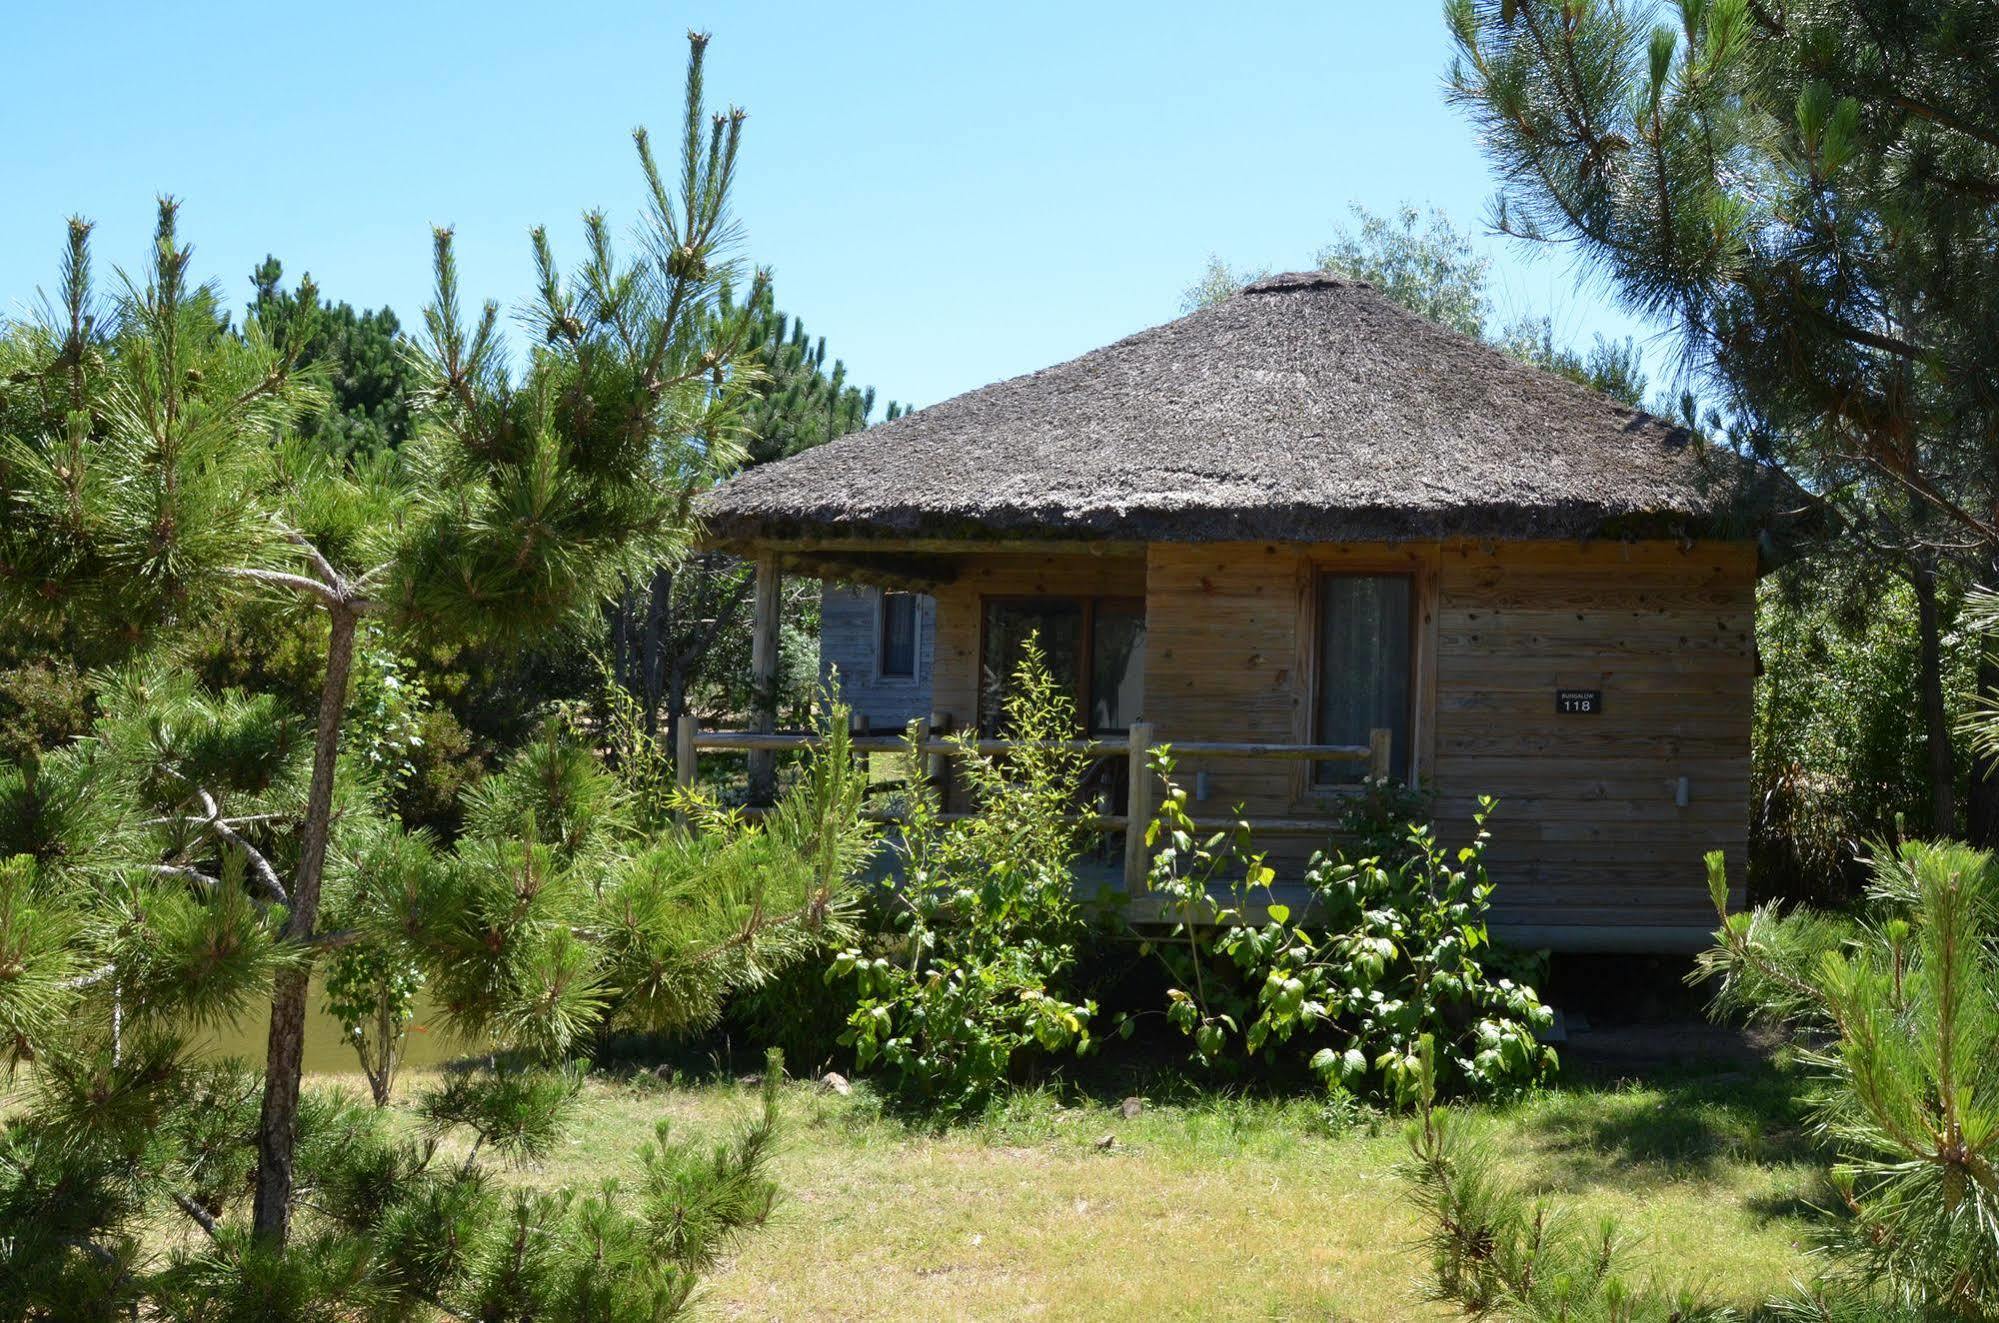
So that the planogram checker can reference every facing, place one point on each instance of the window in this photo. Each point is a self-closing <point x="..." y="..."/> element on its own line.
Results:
<point x="1364" y="668"/>
<point x="1117" y="664"/>
<point x="898" y="636"/>
<point x="1094" y="645"/>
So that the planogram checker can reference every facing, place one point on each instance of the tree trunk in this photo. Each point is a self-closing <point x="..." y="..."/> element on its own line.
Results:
<point x="277" y="1124"/>
<point x="1981" y="801"/>
<point x="764" y="674"/>
<point x="658" y="604"/>
<point x="1936" y="717"/>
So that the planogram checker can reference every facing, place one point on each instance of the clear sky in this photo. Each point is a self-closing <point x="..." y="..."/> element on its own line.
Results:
<point x="951" y="193"/>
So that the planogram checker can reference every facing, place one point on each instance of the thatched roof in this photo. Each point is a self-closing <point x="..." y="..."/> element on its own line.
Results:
<point x="1306" y="408"/>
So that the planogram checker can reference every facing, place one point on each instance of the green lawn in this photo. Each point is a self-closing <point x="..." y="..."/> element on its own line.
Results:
<point x="1204" y="1205"/>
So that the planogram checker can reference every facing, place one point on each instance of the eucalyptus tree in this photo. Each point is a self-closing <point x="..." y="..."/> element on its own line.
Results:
<point x="156" y="478"/>
<point x="1428" y="265"/>
<point x="1810" y="193"/>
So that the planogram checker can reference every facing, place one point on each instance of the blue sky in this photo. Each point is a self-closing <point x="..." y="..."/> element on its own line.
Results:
<point x="951" y="194"/>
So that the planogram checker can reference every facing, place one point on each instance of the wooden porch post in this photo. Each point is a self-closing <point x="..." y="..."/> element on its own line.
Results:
<point x="937" y="766"/>
<point x="1380" y="743"/>
<point x="1138" y="810"/>
<point x="683" y="751"/>
<point x="763" y="677"/>
<point x="685" y="775"/>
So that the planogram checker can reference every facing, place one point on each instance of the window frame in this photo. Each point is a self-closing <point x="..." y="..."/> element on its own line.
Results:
<point x="1422" y="573"/>
<point x="1082" y="696"/>
<point x="882" y="674"/>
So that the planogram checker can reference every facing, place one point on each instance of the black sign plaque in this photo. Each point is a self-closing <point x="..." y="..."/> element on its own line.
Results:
<point x="1579" y="702"/>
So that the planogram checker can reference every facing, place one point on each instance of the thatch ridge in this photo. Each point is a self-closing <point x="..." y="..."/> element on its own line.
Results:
<point x="1306" y="408"/>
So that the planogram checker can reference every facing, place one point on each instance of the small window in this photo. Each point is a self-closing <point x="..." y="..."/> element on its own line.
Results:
<point x="898" y="636"/>
<point x="1364" y="652"/>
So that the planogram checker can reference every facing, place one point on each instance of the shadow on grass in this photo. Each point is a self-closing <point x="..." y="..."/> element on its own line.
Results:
<point x="1602" y="1124"/>
<point x="1668" y="1123"/>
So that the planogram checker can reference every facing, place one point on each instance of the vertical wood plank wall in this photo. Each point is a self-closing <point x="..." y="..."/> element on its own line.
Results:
<point x="1590" y="848"/>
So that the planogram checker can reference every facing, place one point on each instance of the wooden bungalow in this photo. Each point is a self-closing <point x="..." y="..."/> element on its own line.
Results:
<point x="1303" y="524"/>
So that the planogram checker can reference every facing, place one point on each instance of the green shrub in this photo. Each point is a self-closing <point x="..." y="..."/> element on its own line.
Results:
<point x="1392" y="948"/>
<point x="981" y="949"/>
<point x="798" y="1012"/>
<point x="371" y="988"/>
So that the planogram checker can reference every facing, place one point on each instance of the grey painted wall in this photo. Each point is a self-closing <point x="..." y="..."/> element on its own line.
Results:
<point x="849" y="641"/>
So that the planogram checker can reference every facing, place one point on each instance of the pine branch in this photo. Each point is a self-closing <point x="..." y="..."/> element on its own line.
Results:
<point x="1944" y="119"/>
<point x="192" y="821"/>
<point x="259" y="865"/>
<point x="185" y="873"/>
<point x="199" y="1215"/>
<point x="319" y="560"/>
<point x="296" y="582"/>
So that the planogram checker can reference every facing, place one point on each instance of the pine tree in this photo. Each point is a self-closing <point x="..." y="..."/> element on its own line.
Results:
<point x="801" y="402"/>
<point x="177" y="863"/>
<point x="369" y="371"/>
<point x="688" y="625"/>
<point x="1907" y="1005"/>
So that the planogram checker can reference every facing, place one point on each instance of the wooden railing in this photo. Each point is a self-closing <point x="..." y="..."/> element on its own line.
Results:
<point x="1137" y="748"/>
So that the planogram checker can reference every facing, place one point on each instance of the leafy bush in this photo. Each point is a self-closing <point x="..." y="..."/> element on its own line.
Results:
<point x="371" y="988"/>
<point x="385" y="711"/>
<point x="984" y="930"/>
<point x="1839" y="750"/>
<point x="1392" y="948"/>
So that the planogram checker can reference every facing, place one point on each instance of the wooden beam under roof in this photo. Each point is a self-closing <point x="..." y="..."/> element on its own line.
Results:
<point x="917" y="574"/>
<point x="750" y="548"/>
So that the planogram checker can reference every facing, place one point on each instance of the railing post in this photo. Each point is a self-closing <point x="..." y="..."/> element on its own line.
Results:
<point x="683" y="751"/>
<point x="684" y="773"/>
<point x="937" y="766"/>
<point x="1379" y="745"/>
<point x="1138" y="807"/>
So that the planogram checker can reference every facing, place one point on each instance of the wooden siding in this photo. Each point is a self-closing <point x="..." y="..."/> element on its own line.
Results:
<point x="1590" y="848"/>
<point x="1589" y="833"/>
<point x="850" y="641"/>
